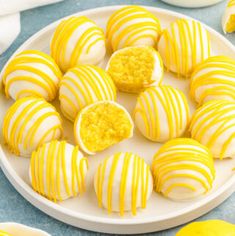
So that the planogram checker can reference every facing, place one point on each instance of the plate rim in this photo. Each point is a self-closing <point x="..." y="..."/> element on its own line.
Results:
<point x="40" y="202"/>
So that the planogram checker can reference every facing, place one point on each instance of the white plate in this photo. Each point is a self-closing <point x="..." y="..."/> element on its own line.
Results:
<point x="83" y="211"/>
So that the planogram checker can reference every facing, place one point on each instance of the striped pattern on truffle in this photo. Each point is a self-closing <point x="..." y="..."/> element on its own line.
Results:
<point x="132" y="26"/>
<point x="58" y="170"/>
<point x="123" y="182"/>
<point x="183" y="169"/>
<point x="161" y="113"/>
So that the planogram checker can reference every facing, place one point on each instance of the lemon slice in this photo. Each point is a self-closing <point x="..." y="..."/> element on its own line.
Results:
<point x="135" y="68"/>
<point x="228" y="19"/>
<point x="101" y="125"/>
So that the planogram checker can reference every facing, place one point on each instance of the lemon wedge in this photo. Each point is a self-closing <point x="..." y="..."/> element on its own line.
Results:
<point x="228" y="19"/>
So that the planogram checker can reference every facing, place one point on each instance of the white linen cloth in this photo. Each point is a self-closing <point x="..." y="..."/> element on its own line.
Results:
<point x="10" y="18"/>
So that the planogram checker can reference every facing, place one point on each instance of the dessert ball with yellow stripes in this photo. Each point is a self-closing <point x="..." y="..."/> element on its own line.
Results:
<point x="161" y="113"/>
<point x="31" y="73"/>
<point x="58" y="170"/>
<point x="132" y="26"/>
<point x="83" y="85"/>
<point x="29" y="123"/>
<point x="228" y="19"/>
<point x="101" y="125"/>
<point x="77" y="40"/>
<point x="134" y="69"/>
<point x="213" y="125"/>
<point x="123" y="182"/>
<point x="183" y="169"/>
<point x="213" y="79"/>
<point x="183" y="45"/>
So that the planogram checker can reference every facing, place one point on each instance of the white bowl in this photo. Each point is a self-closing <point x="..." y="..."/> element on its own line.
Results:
<point x="16" y="229"/>
<point x="192" y="3"/>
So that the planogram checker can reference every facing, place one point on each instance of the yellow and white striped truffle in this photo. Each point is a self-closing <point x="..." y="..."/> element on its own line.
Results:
<point x="228" y="19"/>
<point x="183" y="169"/>
<point x="161" y="113"/>
<point x="213" y="79"/>
<point x="77" y="40"/>
<point x="102" y="124"/>
<point x="183" y="45"/>
<point x="123" y="182"/>
<point x="31" y="73"/>
<point x="132" y="26"/>
<point x="58" y="170"/>
<point x="83" y="85"/>
<point x="134" y="69"/>
<point x="213" y="125"/>
<point x="29" y="123"/>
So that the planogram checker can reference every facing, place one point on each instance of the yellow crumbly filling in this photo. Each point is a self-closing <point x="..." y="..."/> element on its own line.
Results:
<point x="230" y="26"/>
<point x="104" y="125"/>
<point x="131" y="69"/>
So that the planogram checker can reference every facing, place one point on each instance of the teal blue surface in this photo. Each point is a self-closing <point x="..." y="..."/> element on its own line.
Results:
<point x="13" y="207"/>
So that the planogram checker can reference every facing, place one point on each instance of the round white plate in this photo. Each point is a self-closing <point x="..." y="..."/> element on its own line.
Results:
<point x="83" y="211"/>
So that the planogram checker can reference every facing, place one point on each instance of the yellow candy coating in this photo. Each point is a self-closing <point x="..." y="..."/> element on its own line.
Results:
<point x="123" y="182"/>
<point x="58" y="170"/>
<point x="208" y="228"/>
<point x="29" y="123"/>
<point x="183" y="169"/>
<point x="31" y="73"/>
<point x="183" y="45"/>
<point x="77" y="40"/>
<point x="213" y="79"/>
<point x="132" y="26"/>
<point x="83" y="85"/>
<point x="213" y="125"/>
<point x="161" y="113"/>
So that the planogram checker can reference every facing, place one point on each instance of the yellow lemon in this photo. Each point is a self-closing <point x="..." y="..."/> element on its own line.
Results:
<point x="208" y="228"/>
